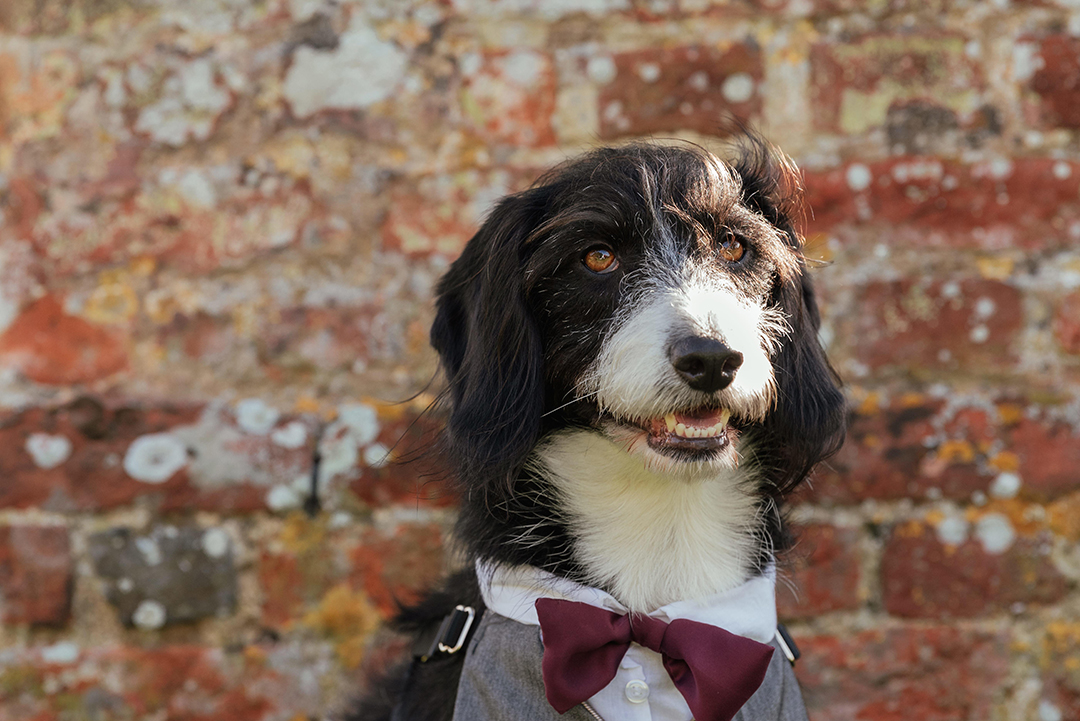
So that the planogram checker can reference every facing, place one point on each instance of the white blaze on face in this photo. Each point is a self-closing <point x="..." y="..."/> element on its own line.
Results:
<point x="633" y="378"/>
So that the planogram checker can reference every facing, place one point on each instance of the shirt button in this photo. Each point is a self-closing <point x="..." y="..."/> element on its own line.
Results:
<point x="637" y="691"/>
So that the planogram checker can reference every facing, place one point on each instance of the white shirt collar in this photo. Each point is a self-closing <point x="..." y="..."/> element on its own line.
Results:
<point x="748" y="610"/>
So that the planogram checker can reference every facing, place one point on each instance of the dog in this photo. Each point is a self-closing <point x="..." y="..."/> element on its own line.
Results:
<point x="635" y="383"/>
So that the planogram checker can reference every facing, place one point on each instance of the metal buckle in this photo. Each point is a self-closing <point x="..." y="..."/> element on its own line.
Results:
<point x="787" y="644"/>
<point x="464" y="630"/>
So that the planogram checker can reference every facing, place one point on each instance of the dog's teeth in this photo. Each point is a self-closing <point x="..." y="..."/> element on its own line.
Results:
<point x="669" y="419"/>
<point x="680" y="429"/>
<point x="725" y="416"/>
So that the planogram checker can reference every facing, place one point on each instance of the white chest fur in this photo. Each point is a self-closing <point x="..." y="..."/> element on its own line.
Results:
<point x="650" y="538"/>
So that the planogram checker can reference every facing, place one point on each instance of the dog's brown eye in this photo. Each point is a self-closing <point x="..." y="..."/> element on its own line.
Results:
<point x="731" y="249"/>
<point x="600" y="260"/>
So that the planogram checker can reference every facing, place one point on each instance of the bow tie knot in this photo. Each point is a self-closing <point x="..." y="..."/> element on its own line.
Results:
<point x="715" y="671"/>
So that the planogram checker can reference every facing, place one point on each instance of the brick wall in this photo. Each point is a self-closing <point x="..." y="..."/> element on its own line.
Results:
<point x="220" y="224"/>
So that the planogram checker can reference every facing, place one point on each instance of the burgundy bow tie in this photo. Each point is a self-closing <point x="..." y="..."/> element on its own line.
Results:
<point x="715" y="671"/>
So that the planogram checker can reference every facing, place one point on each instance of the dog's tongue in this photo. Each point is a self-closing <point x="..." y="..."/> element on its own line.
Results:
<point x="705" y="419"/>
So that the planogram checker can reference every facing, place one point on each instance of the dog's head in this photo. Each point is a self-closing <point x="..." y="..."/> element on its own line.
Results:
<point x="653" y="293"/>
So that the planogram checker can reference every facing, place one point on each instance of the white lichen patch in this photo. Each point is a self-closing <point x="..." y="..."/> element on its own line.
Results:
<point x="858" y="177"/>
<point x="255" y="416"/>
<point x="360" y="72"/>
<point x="155" y="457"/>
<point x="61" y="652"/>
<point x="601" y="69"/>
<point x="338" y="451"/>
<point x="215" y="542"/>
<point x="149" y="615"/>
<point x="287" y="496"/>
<point x="979" y="334"/>
<point x="545" y="9"/>
<point x="196" y="188"/>
<point x="191" y="103"/>
<point x="995" y="532"/>
<point x="985" y="307"/>
<point x="376" y="455"/>
<point x="1005" y="485"/>
<point x="649" y="72"/>
<point x="953" y="530"/>
<point x="48" y="451"/>
<point x="738" y="88"/>
<point x="150" y="550"/>
<point x="1049" y="712"/>
<point x="361" y="420"/>
<point x="228" y="455"/>
<point x="283" y="498"/>
<point x="292" y="435"/>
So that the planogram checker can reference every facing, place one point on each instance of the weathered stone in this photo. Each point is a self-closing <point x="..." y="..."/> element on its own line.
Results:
<point x="855" y="84"/>
<point x="167" y="575"/>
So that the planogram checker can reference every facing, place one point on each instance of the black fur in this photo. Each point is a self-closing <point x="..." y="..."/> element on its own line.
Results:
<point x="518" y="319"/>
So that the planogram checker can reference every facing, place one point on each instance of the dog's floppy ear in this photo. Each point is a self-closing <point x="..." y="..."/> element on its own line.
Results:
<point x="490" y="349"/>
<point x="809" y="422"/>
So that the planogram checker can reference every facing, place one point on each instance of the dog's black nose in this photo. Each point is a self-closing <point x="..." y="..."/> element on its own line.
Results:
<point x="705" y="364"/>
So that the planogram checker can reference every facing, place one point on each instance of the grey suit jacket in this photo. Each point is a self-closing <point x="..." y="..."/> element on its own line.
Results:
<point x="502" y="681"/>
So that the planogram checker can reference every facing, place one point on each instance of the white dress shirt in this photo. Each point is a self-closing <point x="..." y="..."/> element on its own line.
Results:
<point x="641" y="689"/>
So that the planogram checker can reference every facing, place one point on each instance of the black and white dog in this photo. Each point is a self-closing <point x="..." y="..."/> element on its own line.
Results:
<point x="635" y="382"/>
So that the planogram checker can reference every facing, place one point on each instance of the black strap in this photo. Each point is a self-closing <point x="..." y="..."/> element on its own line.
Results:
<point x="453" y="635"/>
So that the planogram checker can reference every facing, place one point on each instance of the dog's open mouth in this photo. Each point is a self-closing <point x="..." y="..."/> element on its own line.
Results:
<point x="698" y="431"/>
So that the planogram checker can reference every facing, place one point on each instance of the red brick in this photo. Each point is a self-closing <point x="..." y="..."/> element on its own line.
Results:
<point x="935" y="673"/>
<point x="894" y="453"/>
<point x="880" y="457"/>
<point x="49" y="346"/>
<point x="922" y="577"/>
<point x="1057" y="81"/>
<point x="397" y="568"/>
<point x="853" y="82"/>
<point x="439" y="213"/>
<point x="1028" y="203"/>
<point x="158" y="223"/>
<point x="414" y="475"/>
<point x="294" y="577"/>
<point x="181" y="682"/>
<point x="35" y="575"/>
<point x="91" y="474"/>
<point x="1048" y="454"/>
<point x="933" y="326"/>
<point x="684" y="88"/>
<point x="1060" y="660"/>
<point x="1067" y="323"/>
<point x="917" y="447"/>
<point x="389" y="567"/>
<point x="511" y="98"/>
<point x="821" y="574"/>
